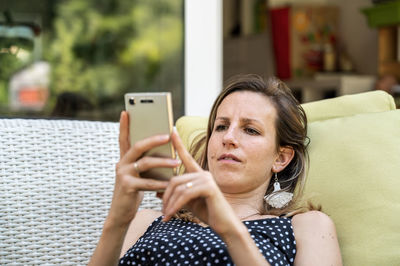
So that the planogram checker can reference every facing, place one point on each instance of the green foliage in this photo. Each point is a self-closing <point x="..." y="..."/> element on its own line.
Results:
<point x="104" y="48"/>
<point x="11" y="60"/>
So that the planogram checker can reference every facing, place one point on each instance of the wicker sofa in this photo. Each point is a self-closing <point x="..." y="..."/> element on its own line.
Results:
<point x="56" y="181"/>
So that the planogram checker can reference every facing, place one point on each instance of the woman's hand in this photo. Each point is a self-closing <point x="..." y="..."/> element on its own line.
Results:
<point x="128" y="191"/>
<point x="129" y="186"/>
<point x="197" y="191"/>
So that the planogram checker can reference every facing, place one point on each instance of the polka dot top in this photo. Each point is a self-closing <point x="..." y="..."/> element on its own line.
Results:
<point x="178" y="242"/>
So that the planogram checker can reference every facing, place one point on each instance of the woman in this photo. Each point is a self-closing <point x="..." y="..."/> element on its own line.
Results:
<point x="255" y="143"/>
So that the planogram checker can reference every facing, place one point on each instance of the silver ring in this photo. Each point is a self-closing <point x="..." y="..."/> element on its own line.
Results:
<point x="136" y="167"/>
<point x="189" y="185"/>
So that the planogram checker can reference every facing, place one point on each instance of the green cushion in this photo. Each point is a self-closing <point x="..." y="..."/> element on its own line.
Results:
<point x="189" y="127"/>
<point x="354" y="173"/>
<point x="367" y="102"/>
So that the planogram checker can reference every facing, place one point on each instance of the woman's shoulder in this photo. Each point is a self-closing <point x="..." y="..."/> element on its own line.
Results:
<point x="310" y="224"/>
<point x="148" y="214"/>
<point x="311" y="219"/>
<point x="143" y="219"/>
<point x="315" y="233"/>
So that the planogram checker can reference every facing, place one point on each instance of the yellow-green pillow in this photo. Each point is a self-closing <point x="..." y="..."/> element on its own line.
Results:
<point x="355" y="174"/>
<point x="367" y="102"/>
<point x="189" y="127"/>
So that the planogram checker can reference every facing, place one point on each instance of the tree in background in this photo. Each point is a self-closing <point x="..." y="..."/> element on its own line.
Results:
<point x="104" y="48"/>
<point x="15" y="53"/>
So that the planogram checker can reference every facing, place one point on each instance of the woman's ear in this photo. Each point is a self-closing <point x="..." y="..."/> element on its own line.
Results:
<point x="285" y="156"/>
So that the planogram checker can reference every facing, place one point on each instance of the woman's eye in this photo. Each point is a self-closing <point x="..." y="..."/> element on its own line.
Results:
<point x="251" y="131"/>
<point x="220" y="127"/>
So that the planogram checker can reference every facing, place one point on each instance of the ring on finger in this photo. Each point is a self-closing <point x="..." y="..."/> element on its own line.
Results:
<point x="189" y="185"/>
<point x="136" y="167"/>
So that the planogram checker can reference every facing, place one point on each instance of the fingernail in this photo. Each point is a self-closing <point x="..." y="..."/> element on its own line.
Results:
<point x="164" y="137"/>
<point x="175" y="162"/>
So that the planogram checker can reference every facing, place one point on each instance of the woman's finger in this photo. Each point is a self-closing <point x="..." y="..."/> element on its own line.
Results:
<point x="145" y="184"/>
<point x="176" y="182"/>
<point x="182" y="195"/>
<point x="123" y="134"/>
<point x="188" y="161"/>
<point x="147" y="163"/>
<point x="142" y="146"/>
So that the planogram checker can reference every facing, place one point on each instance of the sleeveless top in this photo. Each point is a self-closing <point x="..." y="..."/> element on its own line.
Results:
<point x="178" y="242"/>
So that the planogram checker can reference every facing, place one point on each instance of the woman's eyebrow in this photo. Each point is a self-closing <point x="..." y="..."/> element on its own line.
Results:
<point x="222" y="118"/>
<point x="250" y="120"/>
<point x="244" y="121"/>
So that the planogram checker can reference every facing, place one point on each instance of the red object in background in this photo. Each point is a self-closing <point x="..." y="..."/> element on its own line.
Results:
<point x="314" y="60"/>
<point x="32" y="96"/>
<point x="280" y="21"/>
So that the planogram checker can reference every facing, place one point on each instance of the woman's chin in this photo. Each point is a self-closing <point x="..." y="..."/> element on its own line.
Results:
<point x="230" y="183"/>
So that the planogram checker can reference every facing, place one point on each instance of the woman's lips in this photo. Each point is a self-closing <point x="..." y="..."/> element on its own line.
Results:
<point x="228" y="158"/>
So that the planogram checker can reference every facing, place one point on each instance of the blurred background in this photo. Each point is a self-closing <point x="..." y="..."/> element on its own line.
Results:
<point x="75" y="59"/>
<point x="320" y="48"/>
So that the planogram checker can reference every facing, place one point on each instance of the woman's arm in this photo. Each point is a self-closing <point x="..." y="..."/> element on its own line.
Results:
<point x="109" y="246"/>
<point x="316" y="240"/>
<point x="128" y="192"/>
<point x="115" y="241"/>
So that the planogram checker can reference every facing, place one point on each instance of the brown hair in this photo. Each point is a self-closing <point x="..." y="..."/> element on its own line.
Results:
<point x="291" y="130"/>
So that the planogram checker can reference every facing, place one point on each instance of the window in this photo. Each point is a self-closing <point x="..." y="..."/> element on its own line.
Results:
<point x="84" y="55"/>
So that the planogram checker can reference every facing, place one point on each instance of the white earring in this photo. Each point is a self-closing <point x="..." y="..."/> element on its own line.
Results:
<point x="278" y="199"/>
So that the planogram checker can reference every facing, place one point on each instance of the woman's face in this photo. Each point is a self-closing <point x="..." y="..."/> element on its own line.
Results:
<point x="242" y="148"/>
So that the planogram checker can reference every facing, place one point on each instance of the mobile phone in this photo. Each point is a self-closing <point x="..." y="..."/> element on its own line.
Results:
<point x="151" y="114"/>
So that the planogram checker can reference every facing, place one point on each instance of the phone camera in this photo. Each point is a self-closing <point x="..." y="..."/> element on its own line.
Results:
<point x="132" y="101"/>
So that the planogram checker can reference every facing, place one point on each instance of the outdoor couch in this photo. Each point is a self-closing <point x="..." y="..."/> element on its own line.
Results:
<point x="56" y="181"/>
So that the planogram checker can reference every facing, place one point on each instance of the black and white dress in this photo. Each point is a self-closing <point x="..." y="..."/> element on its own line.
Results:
<point x="178" y="242"/>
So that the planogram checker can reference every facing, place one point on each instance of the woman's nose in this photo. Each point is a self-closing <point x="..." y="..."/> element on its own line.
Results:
<point x="230" y="138"/>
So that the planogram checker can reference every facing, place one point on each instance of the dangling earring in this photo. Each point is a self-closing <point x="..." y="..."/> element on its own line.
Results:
<point x="278" y="199"/>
